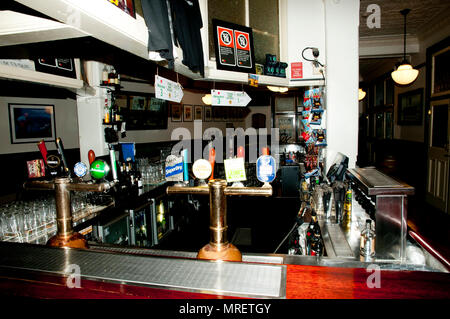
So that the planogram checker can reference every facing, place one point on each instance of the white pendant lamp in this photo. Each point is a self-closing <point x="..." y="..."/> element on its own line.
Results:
<point x="405" y="73"/>
<point x="207" y="99"/>
<point x="277" y="89"/>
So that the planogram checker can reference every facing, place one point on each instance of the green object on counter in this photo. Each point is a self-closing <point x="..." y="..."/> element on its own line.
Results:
<point x="99" y="169"/>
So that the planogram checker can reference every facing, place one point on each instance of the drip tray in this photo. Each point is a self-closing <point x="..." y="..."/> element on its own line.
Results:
<point x="224" y="278"/>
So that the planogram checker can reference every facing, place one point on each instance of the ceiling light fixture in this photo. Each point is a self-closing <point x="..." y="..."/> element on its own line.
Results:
<point x="361" y="94"/>
<point x="207" y="99"/>
<point x="277" y="89"/>
<point x="405" y="73"/>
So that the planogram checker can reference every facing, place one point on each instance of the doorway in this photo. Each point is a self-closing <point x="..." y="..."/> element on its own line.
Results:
<point x="438" y="193"/>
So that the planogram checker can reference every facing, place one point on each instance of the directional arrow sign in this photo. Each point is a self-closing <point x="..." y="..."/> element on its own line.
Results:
<point x="230" y="98"/>
<point x="167" y="90"/>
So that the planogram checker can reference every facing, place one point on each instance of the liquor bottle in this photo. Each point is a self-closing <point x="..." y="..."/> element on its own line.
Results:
<point x="367" y="242"/>
<point x="139" y="183"/>
<point x="105" y="75"/>
<point x="107" y="118"/>
<point x="111" y="76"/>
<point x="348" y="204"/>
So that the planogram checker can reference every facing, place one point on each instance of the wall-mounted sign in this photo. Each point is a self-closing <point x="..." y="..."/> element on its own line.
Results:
<point x="230" y="98"/>
<point x="234" y="47"/>
<point x="296" y="70"/>
<point x="167" y="90"/>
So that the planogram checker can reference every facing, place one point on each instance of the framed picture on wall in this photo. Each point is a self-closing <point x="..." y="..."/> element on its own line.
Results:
<point x="410" y="107"/>
<point x="30" y="123"/>
<point x="175" y="111"/>
<point x="188" y="113"/>
<point x="138" y="103"/>
<point x="440" y="72"/>
<point x="207" y="113"/>
<point x="198" y="112"/>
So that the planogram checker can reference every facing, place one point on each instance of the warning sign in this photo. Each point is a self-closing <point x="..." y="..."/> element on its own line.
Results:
<point x="296" y="70"/>
<point x="227" y="54"/>
<point x="243" y="52"/>
<point x="233" y="47"/>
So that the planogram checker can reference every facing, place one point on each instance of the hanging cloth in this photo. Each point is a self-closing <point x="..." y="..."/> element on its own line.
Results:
<point x="187" y="22"/>
<point x="159" y="36"/>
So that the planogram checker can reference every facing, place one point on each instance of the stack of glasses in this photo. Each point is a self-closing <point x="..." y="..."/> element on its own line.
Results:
<point x="34" y="221"/>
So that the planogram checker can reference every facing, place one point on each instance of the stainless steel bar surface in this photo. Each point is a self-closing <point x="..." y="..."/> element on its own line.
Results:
<point x="223" y="278"/>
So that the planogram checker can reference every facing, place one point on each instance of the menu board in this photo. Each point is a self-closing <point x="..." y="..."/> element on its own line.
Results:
<point x="233" y="47"/>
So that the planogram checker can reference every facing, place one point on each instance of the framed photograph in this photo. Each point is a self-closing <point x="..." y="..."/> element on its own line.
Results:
<point x="198" y="113"/>
<point x="188" y="113"/>
<point x="286" y="125"/>
<point x="208" y="113"/>
<point x="440" y="72"/>
<point x="138" y="103"/>
<point x="175" y="111"/>
<point x="410" y="107"/>
<point x="30" y="123"/>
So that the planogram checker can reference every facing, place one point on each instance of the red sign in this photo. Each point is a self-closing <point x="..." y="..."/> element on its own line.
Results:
<point x="296" y="70"/>
<point x="242" y="40"/>
<point x="225" y="36"/>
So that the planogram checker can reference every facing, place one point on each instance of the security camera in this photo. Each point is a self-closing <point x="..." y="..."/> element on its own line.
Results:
<point x="315" y="52"/>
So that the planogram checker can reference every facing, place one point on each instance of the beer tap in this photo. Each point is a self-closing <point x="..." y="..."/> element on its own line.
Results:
<point x="65" y="236"/>
<point x="219" y="248"/>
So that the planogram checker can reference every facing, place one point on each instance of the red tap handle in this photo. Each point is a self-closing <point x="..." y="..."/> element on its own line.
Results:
<point x="43" y="149"/>
<point x="212" y="159"/>
<point x="265" y="151"/>
<point x="91" y="156"/>
<point x="240" y="152"/>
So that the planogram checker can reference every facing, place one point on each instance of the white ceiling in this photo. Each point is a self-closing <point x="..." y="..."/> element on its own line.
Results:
<point x="387" y="41"/>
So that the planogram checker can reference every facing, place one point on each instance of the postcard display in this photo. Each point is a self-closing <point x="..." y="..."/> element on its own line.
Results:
<point x="314" y="131"/>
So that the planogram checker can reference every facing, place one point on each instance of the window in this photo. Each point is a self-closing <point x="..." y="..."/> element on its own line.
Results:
<point x="264" y="23"/>
<point x="263" y="19"/>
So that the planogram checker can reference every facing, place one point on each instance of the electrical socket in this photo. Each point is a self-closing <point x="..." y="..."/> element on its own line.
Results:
<point x="316" y="69"/>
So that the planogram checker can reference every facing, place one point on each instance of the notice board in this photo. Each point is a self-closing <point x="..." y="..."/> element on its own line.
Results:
<point x="233" y="47"/>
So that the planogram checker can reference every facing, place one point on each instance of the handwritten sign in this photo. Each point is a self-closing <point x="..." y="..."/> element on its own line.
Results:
<point x="230" y="98"/>
<point x="167" y="90"/>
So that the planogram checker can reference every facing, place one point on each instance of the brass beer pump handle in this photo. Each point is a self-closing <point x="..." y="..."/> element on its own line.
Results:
<point x="228" y="191"/>
<point x="219" y="248"/>
<point x="65" y="236"/>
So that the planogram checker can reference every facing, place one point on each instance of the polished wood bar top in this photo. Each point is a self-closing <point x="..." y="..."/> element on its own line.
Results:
<point x="302" y="282"/>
